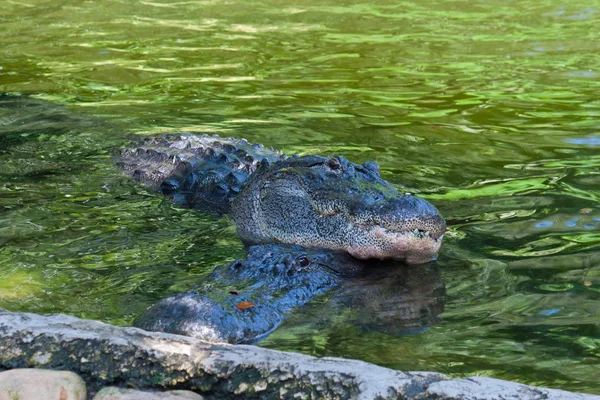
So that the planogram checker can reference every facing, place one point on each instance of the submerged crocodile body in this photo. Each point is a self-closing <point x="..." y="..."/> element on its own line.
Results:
<point x="244" y="301"/>
<point x="304" y="216"/>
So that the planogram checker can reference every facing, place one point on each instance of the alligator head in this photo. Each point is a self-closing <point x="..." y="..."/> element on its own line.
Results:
<point x="312" y="201"/>
<point x="333" y="203"/>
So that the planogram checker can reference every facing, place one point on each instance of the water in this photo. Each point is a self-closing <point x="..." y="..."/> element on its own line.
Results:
<point x="489" y="109"/>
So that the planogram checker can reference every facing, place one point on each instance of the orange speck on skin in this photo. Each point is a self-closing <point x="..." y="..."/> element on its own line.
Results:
<point x="244" y="305"/>
<point x="587" y="283"/>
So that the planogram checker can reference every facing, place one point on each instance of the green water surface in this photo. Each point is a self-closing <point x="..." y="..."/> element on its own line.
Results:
<point x="488" y="108"/>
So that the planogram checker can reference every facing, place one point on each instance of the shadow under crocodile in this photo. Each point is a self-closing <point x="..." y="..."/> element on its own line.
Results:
<point x="243" y="302"/>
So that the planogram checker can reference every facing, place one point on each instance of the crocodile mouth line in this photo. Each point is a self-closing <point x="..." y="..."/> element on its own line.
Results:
<point x="418" y="233"/>
<point x="412" y="246"/>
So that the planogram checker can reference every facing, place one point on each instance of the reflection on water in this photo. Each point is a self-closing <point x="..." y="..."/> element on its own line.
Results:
<point x="489" y="109"/>
<point x="393" y="299"/>
<point x="591" y="141"/>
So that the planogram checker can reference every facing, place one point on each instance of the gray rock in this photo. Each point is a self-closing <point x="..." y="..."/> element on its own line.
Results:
<point x="114" y="393"/>
<point x="482" y="388"/>
<point x="105" y="355"/>
<point x="41" y="384"/>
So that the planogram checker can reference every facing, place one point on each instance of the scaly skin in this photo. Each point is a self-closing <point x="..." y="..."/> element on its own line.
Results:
<point x="274" y="279"/>
<point x="196" y="171"/>
<point x="313" y="201"/>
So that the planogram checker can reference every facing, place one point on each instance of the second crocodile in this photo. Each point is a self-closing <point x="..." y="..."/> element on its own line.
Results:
<point x="244" y="301"/>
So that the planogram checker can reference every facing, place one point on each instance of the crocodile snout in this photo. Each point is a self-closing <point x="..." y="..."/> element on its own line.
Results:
<point x="407" y="213"/>
<point x="410" y="213"/>
<point x="406" y="227"/>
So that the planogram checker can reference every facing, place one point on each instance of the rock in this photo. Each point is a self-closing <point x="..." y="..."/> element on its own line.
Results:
<point x="41" y="384"/>
<point x="481" y="388"/>
<point x="103" y="354"/>
<point x="113" y="393"/>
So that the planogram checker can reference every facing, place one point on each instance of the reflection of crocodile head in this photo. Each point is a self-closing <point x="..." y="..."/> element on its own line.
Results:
<point x="333" y="203"/>
<point x="313" y="201"/>
<point x="246" y="300"/>
<point x="395" y="301"/>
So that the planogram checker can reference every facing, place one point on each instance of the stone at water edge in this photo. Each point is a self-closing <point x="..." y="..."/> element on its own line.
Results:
<point x="484" y="388"/>
<point x="41" y="384"/>
<point x="113" y="393"/>
<point x="107" y="354"/>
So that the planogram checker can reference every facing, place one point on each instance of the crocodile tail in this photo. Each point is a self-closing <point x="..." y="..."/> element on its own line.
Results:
<point x="197" y="171"/>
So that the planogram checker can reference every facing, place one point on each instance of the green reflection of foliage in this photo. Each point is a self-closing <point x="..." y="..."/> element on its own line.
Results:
<point x="494" y="189"/>
<point x="583" y="238"/>
<point x="19" y="285"/>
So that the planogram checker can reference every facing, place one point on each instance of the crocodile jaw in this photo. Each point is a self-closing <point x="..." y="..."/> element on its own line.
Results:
<point x="414" y="248"/>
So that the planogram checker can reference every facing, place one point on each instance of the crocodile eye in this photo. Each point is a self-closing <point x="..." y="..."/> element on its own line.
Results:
<point x="334" y="164"/>
<point x="301" y="262"/>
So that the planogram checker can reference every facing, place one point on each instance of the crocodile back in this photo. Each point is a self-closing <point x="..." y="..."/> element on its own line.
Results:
<point x="197" y="171"/>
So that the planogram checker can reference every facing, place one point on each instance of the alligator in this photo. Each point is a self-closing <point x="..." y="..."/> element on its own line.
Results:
<point x="243" y="302"/>
<point x="312" y="201"/>
<point x="311" y="222"/>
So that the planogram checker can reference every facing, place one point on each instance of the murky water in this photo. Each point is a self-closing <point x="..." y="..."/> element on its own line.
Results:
<point x="489" y="109"/>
